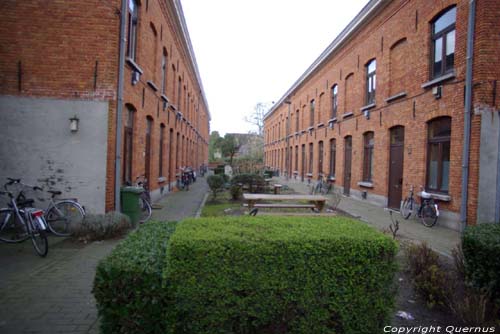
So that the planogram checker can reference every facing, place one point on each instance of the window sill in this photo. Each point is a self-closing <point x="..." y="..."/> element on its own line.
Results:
<point x="164" y="98"/>
<point x="368" y="106"/>
<point x="309" y="175"/>
<point x="320" y="125"/>
<point x="152" y="85"/>
<point x="395" y="97"/>
<point x="347" y="114"/>
<point x="438" y="80"/>
<point x="162" y="179"/>
<point x="303" y="131"/>
<point x="134" y="66"/>
<point x="332" y="120"/>
<point x="173" y="107"/>
<point x="439" y="197"/>
<point x="310" y="128"/>
<point x="331" y="178"/>
<point x="365" y="184"/>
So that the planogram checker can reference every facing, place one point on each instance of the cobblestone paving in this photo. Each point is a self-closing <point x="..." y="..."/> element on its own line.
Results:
<point x="53" y="294"/>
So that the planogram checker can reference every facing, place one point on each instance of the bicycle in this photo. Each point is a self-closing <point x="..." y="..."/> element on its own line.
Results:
<point x="144" y="199"/>
<point x="61" y="215"/>
<point x="18" y="225"/>
<point x="428" y="212"/>
<point x="327" y="188"/>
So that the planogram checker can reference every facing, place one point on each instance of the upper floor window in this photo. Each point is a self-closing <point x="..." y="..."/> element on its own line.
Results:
<point x="443" y="43"/>
<point x="133" y="16"/>
<point x="368" y="156"/>
<point x="297" y="121"/>
<point x="438" y="154"/>
<point x="164" y="73"/>
<point x="335" y="96"/>
<point x="370" y="81"/>
<point x="320" y="157"/>
<point x="311" y="115"/>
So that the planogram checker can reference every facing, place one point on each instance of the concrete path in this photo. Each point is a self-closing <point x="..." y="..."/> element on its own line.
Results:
<point x="53" y="294"/>
<point x="441" y="239"/>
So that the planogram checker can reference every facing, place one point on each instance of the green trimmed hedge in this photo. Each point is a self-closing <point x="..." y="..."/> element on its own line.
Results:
<point x="128" y="285"/>
<point x="481" y="248"/>
<point x="272" y="274"/>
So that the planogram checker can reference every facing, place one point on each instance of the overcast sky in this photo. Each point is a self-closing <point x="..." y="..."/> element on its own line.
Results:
<point x="251" y="51"/>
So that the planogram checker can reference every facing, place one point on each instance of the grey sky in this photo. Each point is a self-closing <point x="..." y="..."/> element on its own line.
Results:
<point x="251" y="51"/>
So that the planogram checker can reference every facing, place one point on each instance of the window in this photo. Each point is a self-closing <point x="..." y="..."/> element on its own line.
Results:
<point x="320" y="157"/>
<point x="128" y="145"/>
<point x="164" y="73"/>
<point x="398" y="67"/>
<point x="443" y="43"/>
<point x="438" y="154"/>
<point x="154" y="40"/>
<point x="333" y="151"/>
<point x="370" y="81"/>
<point x="132" y="28"/>
<point x="296" y="157"/>
<point x="334" y="101"/>
<point x="311" y="114"/>
<point x="349" y="96"/>
<point x="162" y="144"/>
<point x="368" y="143"/>
<point x="311" y="157"/>
<point x="297" y="121"/>
<point x="179" y="88"/>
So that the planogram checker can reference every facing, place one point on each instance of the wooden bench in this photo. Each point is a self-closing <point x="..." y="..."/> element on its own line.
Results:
<point x="277" y="188"/>
<point x="254" y="202"/>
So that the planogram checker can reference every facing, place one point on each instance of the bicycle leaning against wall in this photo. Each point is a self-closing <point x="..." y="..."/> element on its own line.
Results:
<point x="428" y="211"/>
<point x="19" y="222"/>
<point x="62" y="215"/>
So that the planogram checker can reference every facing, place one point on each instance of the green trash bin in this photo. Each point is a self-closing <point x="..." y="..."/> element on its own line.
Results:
<point x="130" y="202"/>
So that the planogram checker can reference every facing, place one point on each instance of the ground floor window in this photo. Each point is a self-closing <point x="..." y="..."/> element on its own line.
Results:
<point x="438" y="154"/>
<point x="368" y="157"/>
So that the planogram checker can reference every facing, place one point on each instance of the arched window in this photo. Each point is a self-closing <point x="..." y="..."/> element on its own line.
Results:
<point x="335" y="96"/>
<point x="333" y="151"/>
<point x="311" y="112"/>
<point x="128" y="145"/>
<point x="161" y="150"/>
<point x="164" y="68"/>
<point x="368" y="143"/>
<point x="320" y="157"/>
<point x="443" y="43"/>
<point x="371" y="68"/>
<point x="133" y="18"/>
<point x="438" y="154"/>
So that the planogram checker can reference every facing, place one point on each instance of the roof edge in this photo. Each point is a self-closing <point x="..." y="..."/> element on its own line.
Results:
<point x="361" y="18"/>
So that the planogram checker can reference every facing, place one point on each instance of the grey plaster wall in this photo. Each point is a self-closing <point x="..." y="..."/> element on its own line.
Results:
<point x="488" y="155"/>
<point x="36" y="144"/>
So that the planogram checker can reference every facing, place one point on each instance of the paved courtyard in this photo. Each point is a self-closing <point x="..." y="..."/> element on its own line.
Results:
<point x="53" y="294"/>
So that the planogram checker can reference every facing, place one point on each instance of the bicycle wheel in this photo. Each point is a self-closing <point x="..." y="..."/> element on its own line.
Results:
<point x="145" y="210"/>
<point x="407" y="207"/>
<point x="428" y="215"/>
<point x="11" y="229"/>
<point x="64" y="218"/>
<point x="39" y="239"/>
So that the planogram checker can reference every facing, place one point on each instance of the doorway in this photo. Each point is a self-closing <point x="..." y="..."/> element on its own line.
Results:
<point x="396" y="156"/>
<point x="347" y="165"/>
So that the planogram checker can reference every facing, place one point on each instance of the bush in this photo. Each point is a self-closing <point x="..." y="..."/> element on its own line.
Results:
<point x="216" y="184"/>
<point x="254" y="182"/>
<point x="128" y="284"/>
<point x="279" y="275"/>
<point x="101" y="227"/>
<point x="236" y="192"/>
<point x="481" y="248"/>
<point x="428" y="275"/>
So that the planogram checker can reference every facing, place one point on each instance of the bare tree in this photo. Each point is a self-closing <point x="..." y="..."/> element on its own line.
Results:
<point x="257" y="116"/>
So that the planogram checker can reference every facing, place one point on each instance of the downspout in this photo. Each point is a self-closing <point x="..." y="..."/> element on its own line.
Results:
<point x="467" y="112"/>
<point x="119" y="107"/>
<point x="497" y="202"/>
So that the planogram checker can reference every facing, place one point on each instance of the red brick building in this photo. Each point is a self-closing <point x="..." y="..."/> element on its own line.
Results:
<point x="405" y="95"/>
<point x="125" y="65"/>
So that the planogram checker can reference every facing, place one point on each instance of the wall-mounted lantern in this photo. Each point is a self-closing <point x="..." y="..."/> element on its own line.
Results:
<point x="73" y="123"/>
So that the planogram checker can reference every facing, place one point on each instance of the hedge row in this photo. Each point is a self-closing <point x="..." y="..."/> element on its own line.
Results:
<point x="481" y="247"/>
<point x="279" y="275"/>
<point x="128" y="285"/>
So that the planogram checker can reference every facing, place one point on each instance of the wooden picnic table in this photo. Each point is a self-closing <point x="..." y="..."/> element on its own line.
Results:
<point x="254" y="201"/>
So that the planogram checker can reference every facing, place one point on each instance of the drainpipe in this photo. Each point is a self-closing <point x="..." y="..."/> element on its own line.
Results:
<point x="497" y="202"/>
<point x="119" y="106"/>
<point x="287" y="142"/>
<point x="467" y="112"/>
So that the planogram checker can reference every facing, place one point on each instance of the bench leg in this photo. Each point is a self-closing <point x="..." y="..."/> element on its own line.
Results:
<point x="253" y="212"/>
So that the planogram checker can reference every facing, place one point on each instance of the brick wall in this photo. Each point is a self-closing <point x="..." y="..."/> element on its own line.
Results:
<point x="69" y="50"/>
<point x="398" y="37"/>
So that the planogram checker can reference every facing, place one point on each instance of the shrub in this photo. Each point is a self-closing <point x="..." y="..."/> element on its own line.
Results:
<point x="101" y="227"/>
<point x="128" y="284"/>
<point x="279" y="274"/>
<point x="429" y="278"/>
<point x="481" y="248"/>
<point x="236" y="192"/>
<point x="216" y="184"/>
<point x="254" y="182"/>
